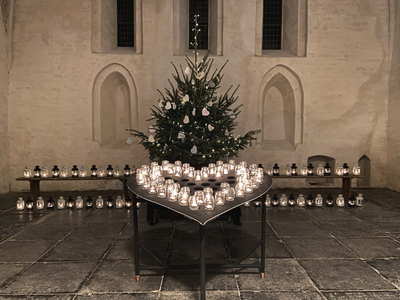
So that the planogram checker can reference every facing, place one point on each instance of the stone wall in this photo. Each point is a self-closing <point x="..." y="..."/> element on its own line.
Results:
<point x="341" y="84"/>
<point x="4" y="153"/>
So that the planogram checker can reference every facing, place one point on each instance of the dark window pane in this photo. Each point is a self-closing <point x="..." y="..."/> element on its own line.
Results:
<point x="272" y="25"/>
<point x="125" y="23"/>
<point x="198" y="7"/>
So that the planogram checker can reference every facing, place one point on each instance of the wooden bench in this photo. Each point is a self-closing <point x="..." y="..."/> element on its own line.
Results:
<point x="35" y="183"/>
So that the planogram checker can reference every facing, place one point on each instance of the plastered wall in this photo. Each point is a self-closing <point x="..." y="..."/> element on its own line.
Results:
<point x="344" y="82"/>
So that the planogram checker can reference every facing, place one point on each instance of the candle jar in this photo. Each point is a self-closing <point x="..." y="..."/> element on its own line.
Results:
<point x="64" y="172"/>
<point x="164" y="165"/>
<point x="153" y="165"/>
<point x="301" y="201"/>
<point x="329" y="200"/>
<point x="177" y="163"/>
<point x="199" y="195"/>
<point x="152" y="188"/>
<point x="243" y="163"/>
<point x="139" y="177"/>
<point x="169" y="182"/>
<point x="303" y="170"/>
<point x="293" y="170"/>
<point x="61" y="202"/>
<point x="146" y="183"/>
<point x="127" y="170"/>
<point x="128" y="202"/>
<point x="110" y="171"/>
<point x="275" y="200"/>
<point x="219" y="163"/>
<point x="248" y="188"/>
<point x="252" y="169"/>
<point x="79" y="202"/>
<point x="185" y="169"/>
<point x="339" y="171"/>
<point x="183" y="197"/>
<point x="319" y="201"/>
<point x="269" y="170"/>
<point x="232" y="164"/>
<point x="310" y="201"/>
<point x="119" y="202"/>
<point x="267" y="200"/>
<point x="173" y="192"/>
<point x="209" y="201"/>
<point x="359" y="200"/>
<point x="50" y="203"/>
<point x="110" y="202"/>
<point x="191" y="172"/>
<point x="29" y="203"/>
<point x="193" y="205"/>
<point x="275" y="170"/>
<point x="170" y="169"/>
<point x="291" y="200"/>
<point x="178" y="171"/>
<point x="247" y="204"/>
<point x="320" y="170"/>
<point x="219" y="171"/>
<point x="283" y="201"/>
<point x="310" y="169"/>
<point x="146" y="170"/>
<point x="219" y="198"/>
<point x="93" y="171"/>
<point x="101" y="172"/>
<point x="82" y="172"/>
<point x="36" y="171"/>
<point x="224" y="186"/>
<point x="346" y="169"/>
<point x="117" y="171"/>
<point x="70" y="203"/>
<point x="288" y="170"/>
<point x="197" y="175"/>
<point x="20" y="204"/>
<point x="161" y="191"/>
<point x="27" y="174"/>
<point x="255" y="182"/>
<point x="212" y="169"/>
<point x="55" y="171"/>
<point x="89" y="203"/>
<point x="160" y="180"/>
<point x="239" y="189"/>
<point x="357" y="170"/>
<point x="352" y="201"/>
<point x="74" y="171"/>
<point x="238" y="170"/>
<point x="225" y="169"/>
<point x="327" y="170"/>
<point x="204" y="172"/>
<point x="99" y="202"/>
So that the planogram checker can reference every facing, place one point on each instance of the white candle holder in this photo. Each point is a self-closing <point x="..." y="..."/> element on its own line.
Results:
<point x="193" y="205"/>
<point x="161" y="191"/>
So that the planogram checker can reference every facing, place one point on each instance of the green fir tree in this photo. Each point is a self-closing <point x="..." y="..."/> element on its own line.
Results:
<point x="192" y="123"/>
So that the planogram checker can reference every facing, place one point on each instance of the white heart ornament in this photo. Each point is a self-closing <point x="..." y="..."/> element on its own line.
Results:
<point x="194" y="112"/>
<point x="168" y="105"/>
<point x="193" y="150"/>
<point x="181" y="135"/>
<point x="205" y="112"/>
<point x="186" y="119"/>
<point x="129" y="140"/>
<point x="187" y="71"/>
<point x="151" y="138"/>
<point x="210" y="127"/>
<point x="152" y="129"/>
<point x="200" y="75"/>
<point x="185" y="98"/>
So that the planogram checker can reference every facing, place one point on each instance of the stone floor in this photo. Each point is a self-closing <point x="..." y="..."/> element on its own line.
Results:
<point x="319" y="253"/>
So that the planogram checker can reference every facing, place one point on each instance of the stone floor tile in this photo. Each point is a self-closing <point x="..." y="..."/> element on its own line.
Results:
<point x="373" y="247"/>
<point x="387" y="227"/>
<point x="274" y="248"/>
<point x="23" y="251"/>
<point x="389" y="268"/>
<point x="395" y="295"/>
<point x="82" y="250"/>
<point x="63" y="216"/>
<point x="113" y="215"/>
<point x="246" y="230"/>
<point x="190" y="295"/>
<point x="124" y="249"/>
<point x="346" y="228"/>
<point x="159" y="231"/>
<point x="19" y="217"/>
<point x="38" y="297"/>
<point x="9" y="271"/>
<point x="298" y="228"/>
<point x="189" y="230"/>
<point x="119" y="277"/>
<point x="119" y="296"/>
<point x="315" y="247"/>
<point x="190" y="249"/>
<point x="329" y="214"/>
<point x="97" y="231"/>
<point x="44" y="231"/>
<point x="302" y="295"/>
<point x="8" y="230"/>
<point x="344" y="275"/>
<point x="48" y="278"/>
<point x="280" y="275"/>
<point x="286" y="214"/>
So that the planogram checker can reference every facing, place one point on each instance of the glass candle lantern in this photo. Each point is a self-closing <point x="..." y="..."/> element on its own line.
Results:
<point x="267" y="201"/>
<point x="209" y="201"/>
<point x="225" y="169"/>
<point x="212" y="169"/>
<point x="89" y="202"/>
<point x="70" y="203"/>
<point x="359" y="200"/>
<point x="247" y="204"/>
<point x="170" y="169"/>
<point x="160" y="180"/>
<point x="197" y="175"/>
<point x="119" y="202"/>
<point x="82" y="172"/>
<point x="132" y="170"/>
<point x="339" y="170"/>
<point x="275" y="170"/>
<point x="146" y="183"/>
<point x="252" y="169"/>
<point x="219" y="163"/>
<point x="169" y="182"/>
<point x="219" y="198"/>
<point x="74" y="171"/>
<point x="185" y="169"/>
<point x="101" y="172"/>
<point x="219" y="171"/>
<point x="61" y="202"/>
<point x="109" y="171"/>
<point x="193" y="205"/>
<point x="128" y="202"/>
<point x="255" y="182"/>
<point x="29" y="203"/>
<point x="291" y="200"/>
<point x="36" y="171"/>
<point x="357" y="170"/>
<point x="303" y="170"/>
<point x="327" y="170"/>
<point x="310" y="201"/>
<point x="153" y="165"/>
<point x="139" y="177"/>
<point x="224" y="187"/>
<point x="20" y="204"/>
<point x="239" y="189"/>
<point x="269" y="170"/>
<point x="79" y="202"/>
<point x="319" y="201"/>
<point x="199" y="195"/>
<point x="110" y="202"/>
<point x="178" y="170"/>
<point x="127" y="170"/>
<point x="44" y="172"/>
<point x="173" y="192"/>
<point x="152" y="190"/>
<point x="55" y="171"/>
<point x="232" y="164"/>
<point x="283" y="201"/>
<point x="257" y="203"/>
<point x="93" y="171"/>
<point x="310" y="169"/>
<point x="183" y="196"/>
<point x="238" y="170"/>
<point x="275" y="200"/>
<point x="248" y="188"/>
<point x="164" y="165"/>
<point x="64" y="172"/>
<point x="340" y="200"/>
<point x="352" y="201"/>
<point x="50" y="203"/>
<point x="329" y="200"/>
<point x="177" y="163"/>
<point x="346" y="169"/>
<point x="161" y="191"/>
<point x="191" y="172"/>
<point x="301" y="201"/>
<point x="320" y="170"/>
<point x="204" y="172"/>
<point x="293" y="170"/>
<point x="99" y="202"/>
<point x="288" y="170"/>
<point x="27" y="173"/>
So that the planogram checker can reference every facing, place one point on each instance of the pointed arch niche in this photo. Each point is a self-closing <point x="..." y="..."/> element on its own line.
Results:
<point x="281" y="109"/>
<point x="114" y="106"/>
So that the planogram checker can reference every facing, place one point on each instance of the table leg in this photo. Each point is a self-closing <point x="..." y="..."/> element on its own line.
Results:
<point x="263" y="229"/>
<point x="202" y="264"/>
<point x="34" y="189"/>
<point x="136" y="237"/>
<point x="124" y="188"/>
<point x="346" y="187"/>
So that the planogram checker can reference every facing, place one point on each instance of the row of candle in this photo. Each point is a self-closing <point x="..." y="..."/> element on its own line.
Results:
<point x="310" y="201"/>
<point x="71" y="203"/>
<point x="151" y="178"/>
<point x="308" y="170"/>
<point x="81" y="172"/>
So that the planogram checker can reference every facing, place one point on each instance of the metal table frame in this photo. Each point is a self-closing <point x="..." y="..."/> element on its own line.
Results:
<point x="202" y="262"/>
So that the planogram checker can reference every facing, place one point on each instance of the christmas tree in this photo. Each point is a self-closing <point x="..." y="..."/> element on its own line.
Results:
<point x="192" y="123"/>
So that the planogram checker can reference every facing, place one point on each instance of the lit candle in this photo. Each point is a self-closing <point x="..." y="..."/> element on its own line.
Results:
<point x="173" y="192"/>
<point x="232" y="165"/>
<point x="20" y="204"/>
<point x="225" y="169"/>
<point x="79" y="202"/>
<point x="39" y="203"/>
<point x="219" y="198"/>
<point x="164" y="165"/>
<point x="199" y="195"/>
<point x="191" y="172"/>
<point x="161" y="191"/>
<point x="178" y="170"/>
<point x="204" y="172"/>
<point x="119" y="202"/>
<point x="27" y="172"/>
<point x="219" y="171"/>
<point x="193" y="205"/>
<point x="239" y="189"/>
<point x="101" y="172"/>
<point x="230" y="194"/>
<point x="248" y="189"/>
<point x="209" y="201"/>
<point x="356" y="170"/>
<point x="197" y="175"/>
<point x="183" y="197"/>
<point x="152" y="188"/>
<point x="212" y="169"/>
